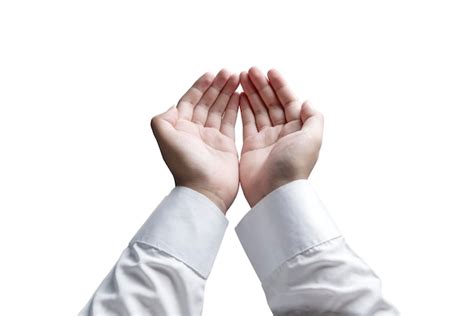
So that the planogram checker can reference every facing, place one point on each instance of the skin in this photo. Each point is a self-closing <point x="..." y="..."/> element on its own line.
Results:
<point x="281" y="136"/>
<point x="197" y="138"/>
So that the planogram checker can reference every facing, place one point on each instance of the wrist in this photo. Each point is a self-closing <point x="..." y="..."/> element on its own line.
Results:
<point x="269" y="187"/>
<point x="219" y="202"/>
<point x="213" y="197"/>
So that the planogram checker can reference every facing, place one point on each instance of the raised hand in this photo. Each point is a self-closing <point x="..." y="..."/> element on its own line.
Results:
<point x="282" y="136"/>
<point x="196" y="138"/>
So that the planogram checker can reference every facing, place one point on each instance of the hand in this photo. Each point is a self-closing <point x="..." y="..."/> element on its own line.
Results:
<point x="282" y="136"/>
<point x="196" y="138"/>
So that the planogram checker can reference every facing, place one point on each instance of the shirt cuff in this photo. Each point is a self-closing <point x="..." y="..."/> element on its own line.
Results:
<point x="188" y="226"/>
<point x="286" y="222"/>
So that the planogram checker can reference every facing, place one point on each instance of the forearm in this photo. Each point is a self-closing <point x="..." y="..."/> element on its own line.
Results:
<point x="164" y="269"/>
<point x="328" y="279"/>
<point x="304" y="264"/>
<point x="147" y="281"/>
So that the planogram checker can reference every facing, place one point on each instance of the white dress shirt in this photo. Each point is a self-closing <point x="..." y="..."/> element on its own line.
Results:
<point x="301" y="259"/>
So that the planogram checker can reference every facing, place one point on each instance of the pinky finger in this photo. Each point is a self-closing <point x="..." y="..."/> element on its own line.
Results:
<point x="249" y="125"/>
<point x="230" y="116"/>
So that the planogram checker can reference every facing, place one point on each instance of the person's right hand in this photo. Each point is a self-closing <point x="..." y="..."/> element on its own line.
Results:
<point x="196" y="138"/>
<point x="282" y="136"/>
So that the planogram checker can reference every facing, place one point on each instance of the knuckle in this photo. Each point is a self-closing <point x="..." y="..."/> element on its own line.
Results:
<point x="259" y="110"/>
<point x="214" y="111"/>
<point x="278" y="121"/>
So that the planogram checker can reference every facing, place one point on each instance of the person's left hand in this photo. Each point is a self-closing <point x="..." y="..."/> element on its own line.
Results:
<point x="282" y="136"/>
<point x="196" y="138"/>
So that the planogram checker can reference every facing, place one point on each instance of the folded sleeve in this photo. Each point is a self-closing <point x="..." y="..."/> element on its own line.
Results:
<point x="165" y="266"/>
<point x="302" y="260"/>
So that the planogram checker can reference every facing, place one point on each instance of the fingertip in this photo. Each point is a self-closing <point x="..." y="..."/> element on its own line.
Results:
<point x="247" y="84"/>
<point x="207" y="75"/>
<point x="254" y="70"/>
<point x="222" y="78"/>
<point x="207" y="78"/>
<point x="273" y="73"/>
<point x="224" y="72"/>
<point x="306" y="105"/>
<point x="235" y="78"/>
<point x="258" y="78"/>
<point x="276" y="79"/>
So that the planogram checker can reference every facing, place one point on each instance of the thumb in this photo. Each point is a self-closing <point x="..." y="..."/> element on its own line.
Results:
<point x="171" y="115"/>
<point x="311" y="118"/>
<point x="164" y="121"/>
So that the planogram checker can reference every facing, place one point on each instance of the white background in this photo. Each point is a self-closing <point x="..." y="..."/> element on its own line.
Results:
<point x="80" y="170"/>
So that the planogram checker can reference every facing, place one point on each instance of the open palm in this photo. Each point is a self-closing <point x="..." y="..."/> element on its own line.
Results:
<point x="282" y="136"/>
<point x="196" y="138"/>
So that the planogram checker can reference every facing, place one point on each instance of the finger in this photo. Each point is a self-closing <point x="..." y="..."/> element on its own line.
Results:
<point x="311" y="119"/>
<point x="288" y="99"/>
<point x="258" y="107"/>
<point x="214" y="117"/>
<point x="230" y="116"/>
<point x="210" y="96"/>
<point x="275" y="109"/>
<point x="189" y="100"/>
<point x="249" y="125"/>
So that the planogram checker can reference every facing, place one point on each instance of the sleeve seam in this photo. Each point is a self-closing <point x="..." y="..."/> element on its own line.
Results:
<point x="176" y="256"/>
<point x="297" y="254"/>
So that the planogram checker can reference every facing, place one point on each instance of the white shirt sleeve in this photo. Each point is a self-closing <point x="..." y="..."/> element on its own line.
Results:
<point x="302" y="261"/>
<point x="164" y="269"/>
